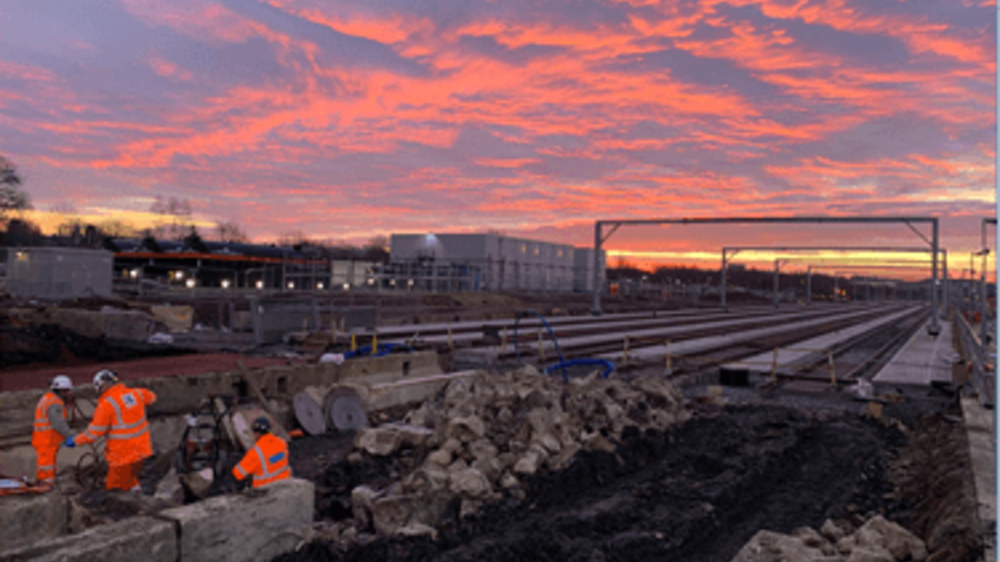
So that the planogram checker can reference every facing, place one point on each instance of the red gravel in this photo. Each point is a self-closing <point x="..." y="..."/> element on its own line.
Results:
<point x="26" y="377"/>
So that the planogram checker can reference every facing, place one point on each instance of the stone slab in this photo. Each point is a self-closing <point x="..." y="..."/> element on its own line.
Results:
<point x="922" y="360"/>
<point x="806" y="350"/>
<point x="979" y="426"/>
<point x="137" y="538"/>
<point x="698" y="345"/>
<point x="252" y="526"/>
<point x="30" y="519"/>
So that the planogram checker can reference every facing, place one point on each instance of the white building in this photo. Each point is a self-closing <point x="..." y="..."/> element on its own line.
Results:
<point x="59" y="273"/>
<point x="498" y="263"/>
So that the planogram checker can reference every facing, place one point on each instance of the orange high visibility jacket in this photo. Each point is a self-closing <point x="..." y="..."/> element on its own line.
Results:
<point x="45" y="435"/>
<point x="121" y="414"/>
<point x="267" y="461"/>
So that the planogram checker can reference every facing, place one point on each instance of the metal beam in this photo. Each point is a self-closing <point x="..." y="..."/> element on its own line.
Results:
<point x="599" y="240"/>
<point x="731" y="251"/>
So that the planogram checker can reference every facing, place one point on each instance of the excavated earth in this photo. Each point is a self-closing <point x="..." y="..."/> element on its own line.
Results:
<point x="697" y="492"/>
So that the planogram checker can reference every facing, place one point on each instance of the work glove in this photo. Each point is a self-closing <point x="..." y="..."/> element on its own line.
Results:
<point x="69" y="443"/>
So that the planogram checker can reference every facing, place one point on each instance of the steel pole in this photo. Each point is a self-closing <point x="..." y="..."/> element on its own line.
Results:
<point x="946" y="284"/>
<point x="983" y="309"/>
<point x="836" y="288"/>
<point x="935" y="326"/>
<point x="809" y="285"/>
<point x="596" y="309"/>
<point x="722" y="284"/>
<point x="777" y="266"/>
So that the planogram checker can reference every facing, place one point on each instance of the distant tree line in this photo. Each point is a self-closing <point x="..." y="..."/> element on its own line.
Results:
<point x="175" y="221"/>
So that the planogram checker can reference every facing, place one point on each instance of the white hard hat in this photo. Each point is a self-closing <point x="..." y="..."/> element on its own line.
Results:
<point x="105" y="376"/>
<point x="61" y="382"/>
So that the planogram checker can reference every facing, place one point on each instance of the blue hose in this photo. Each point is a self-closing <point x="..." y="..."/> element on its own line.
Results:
<point x="383" y="349"/>
<point x="584" y="361"/>
<point x="563" y="363"/>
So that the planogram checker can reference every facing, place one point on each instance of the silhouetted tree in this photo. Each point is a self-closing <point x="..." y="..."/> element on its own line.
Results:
<point x="22" y="233"/>
<point x="11" y="196"/>
<point x="176" y="217"/>
<point x="229" y="231"/>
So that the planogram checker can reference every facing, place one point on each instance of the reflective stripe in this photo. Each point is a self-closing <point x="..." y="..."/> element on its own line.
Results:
<point x="98" y="427"/>
<point x="265" y="473"/>
<point x="272" y="475"/>
<point x="118" y="412"/>
<point x="131" y="425"/>
<point x="242" y="472"/>
<point x="260" y="457"/>
<point x="93" y="436"/>
<point x="128" y="435"/>
<point x="47" y="467"/>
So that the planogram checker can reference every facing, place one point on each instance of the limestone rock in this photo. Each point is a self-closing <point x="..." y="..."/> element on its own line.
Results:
<point x="452" y="445"/>
<point x="899" y="542"/>
<point x="767" y="546"/>
<point x="378" y="441"/>
<point x="483" y="449"/>
<point x="470" y="483"/>
<point x="831" y="531"/>
<point x="361" y="506"/>
<point x="508" y="481"/>
<point x="810" y="537"/>
<point x="865" y="554"/>
<point x="466" y="429"/>
<point x="440" y="457"/>
<point x="529" y="463"/>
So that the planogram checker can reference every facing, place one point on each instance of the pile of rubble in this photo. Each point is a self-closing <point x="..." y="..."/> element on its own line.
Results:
<point x="878" y="540"/>
<point x="486" y="433"/>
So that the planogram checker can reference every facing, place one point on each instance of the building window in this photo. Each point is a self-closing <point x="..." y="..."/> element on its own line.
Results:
<point x="524" y="248"/>
<point x="536" y="250"/>
<point x="559" y="253"/>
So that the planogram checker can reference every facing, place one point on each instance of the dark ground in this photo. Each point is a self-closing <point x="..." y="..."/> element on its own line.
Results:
<point x="696" y="493"/>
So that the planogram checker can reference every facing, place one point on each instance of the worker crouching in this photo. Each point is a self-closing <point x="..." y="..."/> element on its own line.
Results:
<point x="51" y="428"/>
<point x="268" y="460"/>
<point x="121" y="415"/>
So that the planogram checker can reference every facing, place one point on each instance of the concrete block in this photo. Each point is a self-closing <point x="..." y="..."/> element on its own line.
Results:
<point x="136" y="538"/>
<point x="252" y="526"/>
<point x="29" y="519"/>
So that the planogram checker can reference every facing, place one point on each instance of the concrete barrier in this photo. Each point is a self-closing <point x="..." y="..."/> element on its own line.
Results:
<point x="137" y="538"/>
<point x="31" y="519"/>
<point x="253" y="526"/>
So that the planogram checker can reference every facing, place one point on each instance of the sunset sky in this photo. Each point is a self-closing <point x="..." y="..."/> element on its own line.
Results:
<point x="346" y="120"/>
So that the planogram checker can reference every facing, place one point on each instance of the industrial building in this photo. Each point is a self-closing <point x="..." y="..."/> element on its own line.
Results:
<point x="487" y="262"/>
<point x="58" y="273"/>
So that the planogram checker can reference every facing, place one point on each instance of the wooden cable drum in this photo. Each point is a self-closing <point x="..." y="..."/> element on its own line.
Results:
<point x="310" y="410"/>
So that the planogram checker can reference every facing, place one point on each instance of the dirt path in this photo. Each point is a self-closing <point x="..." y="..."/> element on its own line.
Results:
<point x="697" y="493"/>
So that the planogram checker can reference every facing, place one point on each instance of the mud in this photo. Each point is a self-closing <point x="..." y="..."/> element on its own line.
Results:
<point x="698" y="492"/>
<point x="936" y="491"/>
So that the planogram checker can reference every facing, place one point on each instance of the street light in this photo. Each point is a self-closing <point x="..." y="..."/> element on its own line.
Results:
<point x="190" y="283"/>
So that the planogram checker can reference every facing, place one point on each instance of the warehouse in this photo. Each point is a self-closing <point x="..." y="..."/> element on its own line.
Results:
<point x="488" y="262"/>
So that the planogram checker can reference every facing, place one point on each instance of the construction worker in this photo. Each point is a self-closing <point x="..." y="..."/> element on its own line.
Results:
<point x="51" y="427"/>
<point x="121" y="415"/>
<point x="268" y="460"/>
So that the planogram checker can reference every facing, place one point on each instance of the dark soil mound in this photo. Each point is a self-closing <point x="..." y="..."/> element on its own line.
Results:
<point x="696" y="493"/>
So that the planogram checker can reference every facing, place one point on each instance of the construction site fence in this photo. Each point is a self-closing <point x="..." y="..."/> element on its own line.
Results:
<point x="978" y="357"/>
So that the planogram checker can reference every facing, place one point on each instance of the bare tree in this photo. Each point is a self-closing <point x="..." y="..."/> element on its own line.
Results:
<point x="293" y="238"/>
<point x="230" y="231"/>
<point x="115" y="228"/>
<point x="11" y="196"/>
<point x="70" y="221"/>
<point x="176" y="217"/>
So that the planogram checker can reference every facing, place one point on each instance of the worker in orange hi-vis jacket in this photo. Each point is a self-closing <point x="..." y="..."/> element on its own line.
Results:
<point x="268" y="460"/>
<point x="121" y="415"/>
<point x="51" y="428"/>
